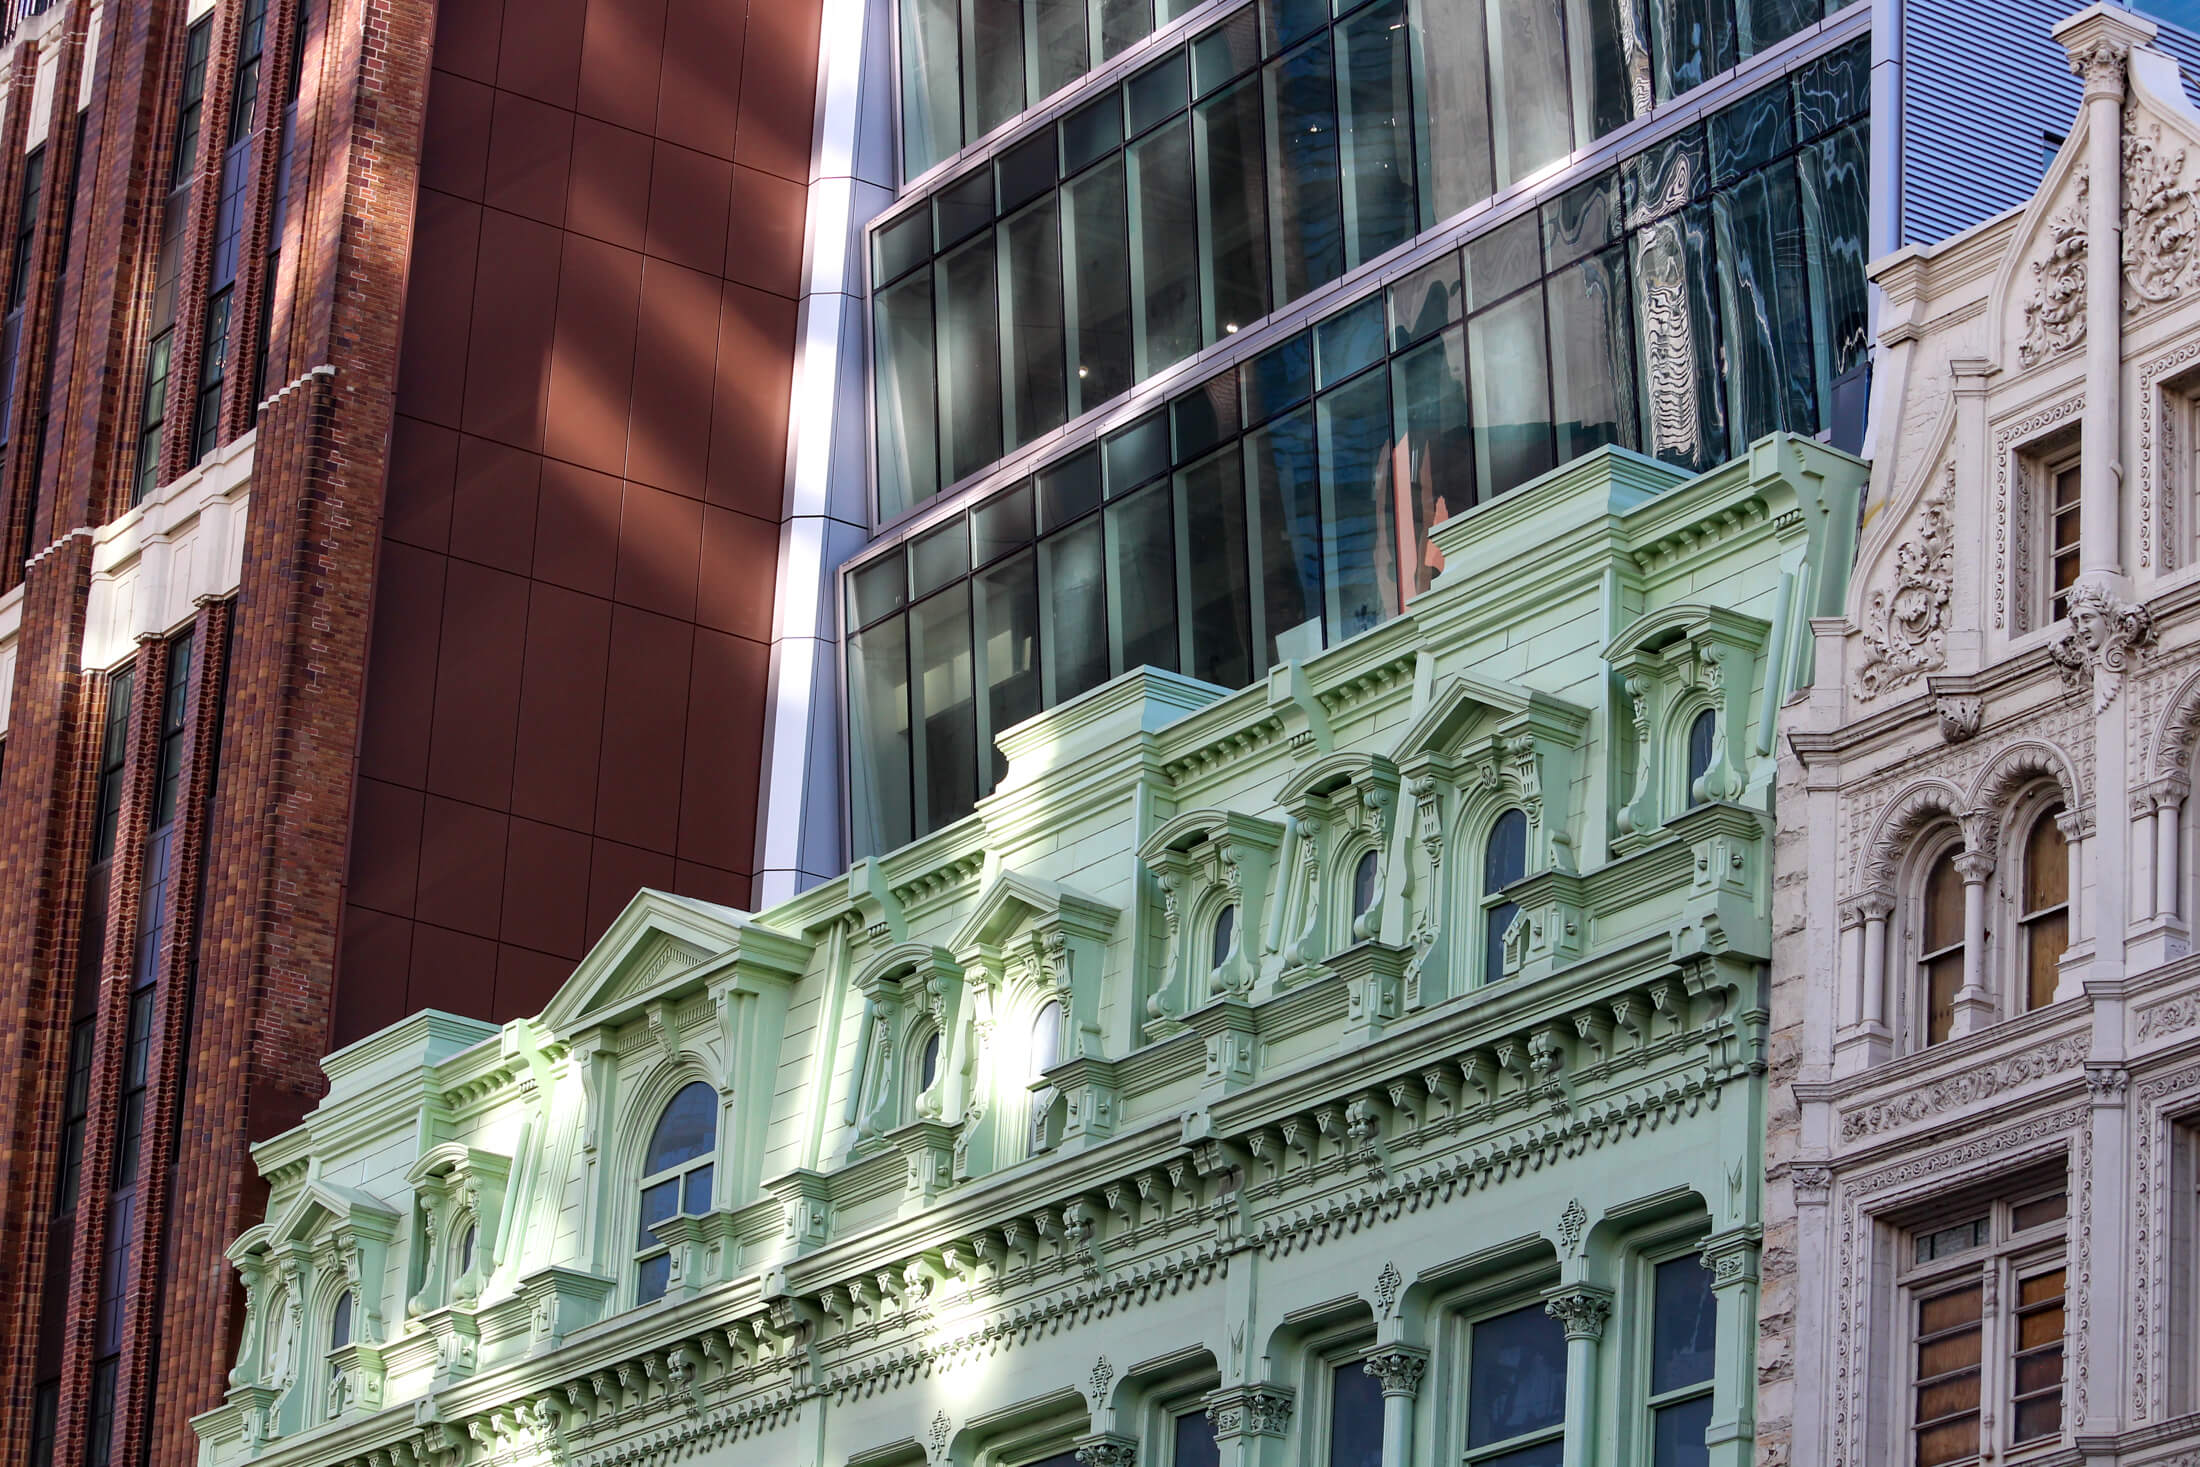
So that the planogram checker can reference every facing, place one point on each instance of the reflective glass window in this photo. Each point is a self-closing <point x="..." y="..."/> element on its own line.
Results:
<point x="1165" y="259"/>
<point x="1142" y="579"/>
<point x="943" y="711"/>
<point x="1516" y="1379"/>
<point x="1097" y="285"/>
<point x="1355" y="1417"/>
<point x="1213" y="569"/>
<point x="1504" y="861"/>
<point x="1031" y="316"/>
<point x="1073" y="590"/>
<point x="1286" y="501"/>
<point x="931" y="105"/>
<point x="1358" y="507"/>
<point x="902" y="380"/>
<point x="1233" y="211"/>
<point x="1005" y="613"/>
<point x="1307" y="203"/>
<point x="1374" y="107"/>
<point x="968" y="308"/>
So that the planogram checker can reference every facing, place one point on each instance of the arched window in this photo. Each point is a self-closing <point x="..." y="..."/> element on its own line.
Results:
<point x="1363" y="884"/>
<point x="1504" y="861"/>
<point x="1703" y="733"/>
<point x="465" y="1256"/>
<point x="2044" y="921"/>
<point x="1940" y="945"/>
<point x="339" y="1322"/>
<point x="928" y="1061"/>
<point x="1046" y="1039"/>
<point x="1225" y="935"/>
<point x="676" y="1179"/>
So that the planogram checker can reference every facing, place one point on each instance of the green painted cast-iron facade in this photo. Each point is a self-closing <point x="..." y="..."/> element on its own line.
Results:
<point x="1366" y="1067"/>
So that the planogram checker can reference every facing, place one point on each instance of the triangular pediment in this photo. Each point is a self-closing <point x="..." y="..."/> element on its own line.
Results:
<point x="1463" y="707"/>
<point x="1016" y="900"/>
<point x="323" y="1204"/>
<point x="642" y="956"/>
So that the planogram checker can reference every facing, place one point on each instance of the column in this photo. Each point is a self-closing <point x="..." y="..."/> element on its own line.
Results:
<point x="1852" y="965"/>
<point x="2099" y="55"/>
<point x="2143" y="851"/>
<point x="1251" y="1423"/>
<point x="2168" y="822"/>
<point x="1974" y="1001"/>
<point x="1582" y="1308"/>
<point x="2082" y="958"/>
<point x="1399" y="1368"/>
<point x="1731" y="1257"/>
<point x="1877" y="908"/>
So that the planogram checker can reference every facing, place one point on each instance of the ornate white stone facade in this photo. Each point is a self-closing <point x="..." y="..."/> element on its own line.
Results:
<point x="1983" y="997"/>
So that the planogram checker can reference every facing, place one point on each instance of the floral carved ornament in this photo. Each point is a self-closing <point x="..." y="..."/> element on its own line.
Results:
<point x="1906" y="626"/>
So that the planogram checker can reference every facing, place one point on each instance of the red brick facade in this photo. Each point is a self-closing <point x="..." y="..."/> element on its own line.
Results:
<point x="497" y="652"/>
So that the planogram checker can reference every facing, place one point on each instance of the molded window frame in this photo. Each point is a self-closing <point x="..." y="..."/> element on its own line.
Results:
<point x="1490" y="900"/>
<point x="682" y="1174"/>
<point x="2039" y="804"/>
<point x="1943" y="842"/>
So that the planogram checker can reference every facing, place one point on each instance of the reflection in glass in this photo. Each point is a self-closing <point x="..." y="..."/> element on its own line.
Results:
<point x="1512" y="404"/>
<point x="1691" y="41"/>
<point x="1685" y="1332"/>
<point x="1516" y="1376"/>
<point x="908" y="450"/>
<point x="931" y="111"/>
<point x="1006" y="613"/>
<point x="1074" y="654"/>
<point x="1165" y="264"/>
<point x="1061" y="43"/>
<point x="1194" y="1442"/>
<point x="946" y="769"/>
<point x="1429" y="398"/>
<point x="1356" y="505"/>
<point x="1836" y="206"/>
<point x="1592" y="355"/>
<point x="1307" y="215"/>
<point x="1683" y="409"/>
<point x="1031" y="311"/>
<point x="1770" y="371"/>
<point x="1233" y="211"/>
<point x="970" y="359"/>
<point x="993" y="65"/>
<point x="1355" y="1417"/>
<point x="1678" y="1434"/>
<point x="1123" y="22"/>
<point x="1095" y="245"/>
<point x="1611" y="55"/>
<point x="1375" y="116"/>
<point x="1142" y="578"/>
<point x="1217" y="585"/>
<point x="1504" y="861"/>
<point x="1453" y="144"/>
<point x="878" y="694"/>
<point x="1762" y="23"/>
<point x="1532" y="122"/>
<point x="1279" y="460"/>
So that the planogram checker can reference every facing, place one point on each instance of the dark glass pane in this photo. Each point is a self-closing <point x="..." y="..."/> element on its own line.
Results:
<point x="1279" y="460"/>
<point x="1375" y="114"/>
<point x="908" y="442"/>
<point x="1280" y="377"/>
<point x="1233" y="211"/>
<point x="1592" y="355"/>
<point x="1512" y="404"/>
<point x="931" y="111"/>
<point x="902" y="245"/>
<point x="1026" y="171"/>
<point x="1307" y="214"/>
<point x="1093" y="131"/>
<point x="963" y="208"/>
<point x="1703" y="733"/>
<point x="1217" y="581"/>
<point x="1836" y="214"/>
<point x="878" y="716"/>
<point x="1137" y="453"/>
<point x="1425" y="302"/>
<point x="1582" y="220"/>
<point x="1355" y="1417"/>
<point x="1220" y="940"/>
<point x="1358" y="506"/>
<point x="1122" y="24"/>
<point x="1683" y="407"/>
<point x="876" y="588"/>
<point x="1533" y="115"/>
<point x="1046" y="1045"/>
<point x="1007" y="613"/>
<point x="944" y="711"/>
<point x="1348" y="341"/>
<point x="1770" y="371"/>
<point x="1677" y="1434"/>
<point x="1194" y="1442"/>
<point x="970" y="359"/>
<point x="1763" y="23"/>
<point x="687" y="1129"/>
<point x="1204" y="417"/>
<point x="1157" y="93"/>
<point x="1834" y="89"/>
<point x="1165" y="253"/>
<point x="651" y="1276"/>
<point x="1685" y="1330"/>
<point x="1074" y="654"/>
<point x="1061" y="43"/>
<point x="339" y="1328"/>
<point x="1691" y="41"/>
<point x="1142" y="579"/>
<point x="1068" y="488"/>
<point x="1516" y="1376"/>
<point x="1611" y="64"/>
<point x="1286" y="21"/>
<point x="1502" y="261"/>
<point x="1001" y="524"/>
<point x="1750" y="134"/>
<point x="928" y="1063"/>
<point x="1223" y="53"/>
<point x="1096" y="248"/>
<point x="1454" y="136"/>
<point x="2040" y="1212"/>
<point x="1031" y="306"/>
<point x="1505" y="857"/>
<point x="993" y="64"/>
<point x="1665" y="176"/>
<point x="695" y="1197"/>
<point x="939" y="556"/>
<point x="1428" y="395"/>
<point x="1545" y="1454"/>
<point x="658" y="1203"/>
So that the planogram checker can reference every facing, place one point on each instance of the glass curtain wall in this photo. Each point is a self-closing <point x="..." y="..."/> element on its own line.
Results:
<point x="1265" y="157"/>
<point x="1702" y="293"/>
